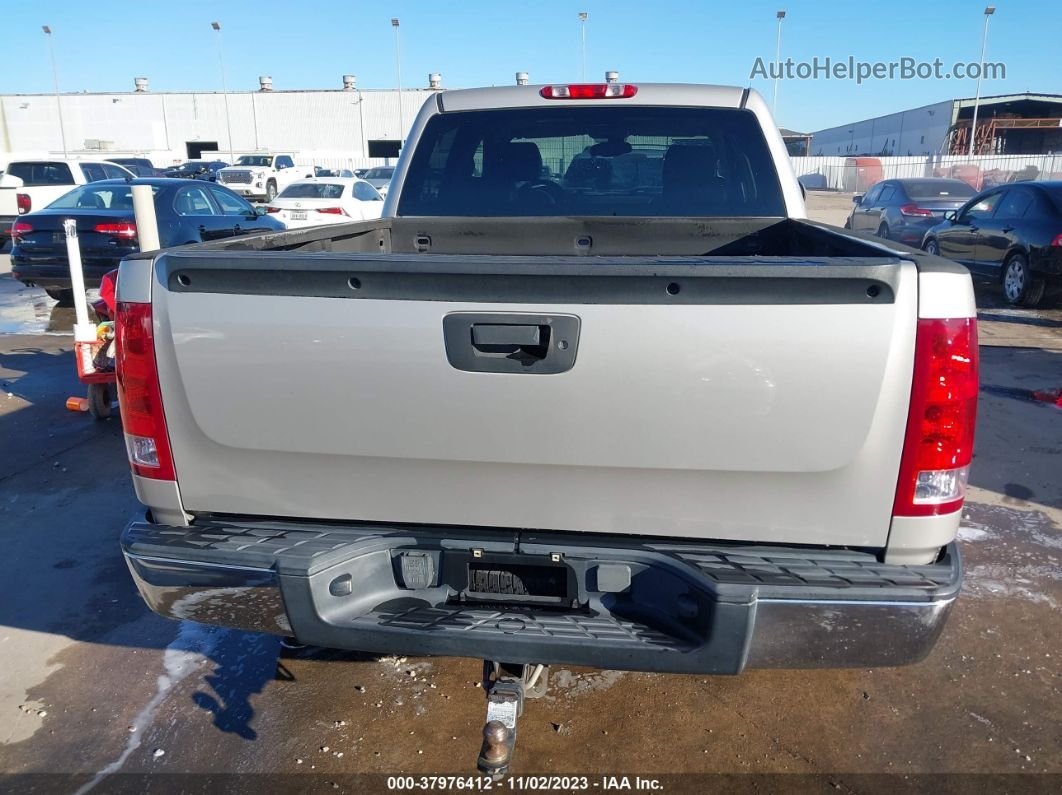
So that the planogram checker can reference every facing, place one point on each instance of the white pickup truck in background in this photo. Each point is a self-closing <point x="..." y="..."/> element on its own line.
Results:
<point x="592" y="391"/>
<point x="262" y="176"/>
<point x="28" y="185"/>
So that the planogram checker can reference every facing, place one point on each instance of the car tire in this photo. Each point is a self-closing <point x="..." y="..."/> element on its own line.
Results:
<point x="883" y="232"/>
<point x="847" y="223"/>
<point x="271" y="190"/>
<point x="99" y="400"/>
<point x="1020" y="287"/>
<point x="932" y="247"/>
<point x="64" y="297"/>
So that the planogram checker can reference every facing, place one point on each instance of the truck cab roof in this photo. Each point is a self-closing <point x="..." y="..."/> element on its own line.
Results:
<point x="669" y="94"/>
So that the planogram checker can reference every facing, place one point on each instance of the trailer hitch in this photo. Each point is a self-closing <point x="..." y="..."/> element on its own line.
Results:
<point x="506" y="685"/>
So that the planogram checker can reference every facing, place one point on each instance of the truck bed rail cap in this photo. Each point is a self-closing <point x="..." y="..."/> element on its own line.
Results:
<point x="677" y="94"/>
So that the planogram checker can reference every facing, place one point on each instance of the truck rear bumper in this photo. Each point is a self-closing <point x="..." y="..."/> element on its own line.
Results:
<point x="608" y="602"/>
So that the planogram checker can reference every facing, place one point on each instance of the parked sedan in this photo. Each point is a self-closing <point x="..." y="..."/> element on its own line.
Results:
<point x="380" y="177"/>
<point x="903" y="209"/>
<point x="1011" y="234"/>
<point x="187" y="211"/>
<point x="334" y="200"/>
<point x="196" y="169"/>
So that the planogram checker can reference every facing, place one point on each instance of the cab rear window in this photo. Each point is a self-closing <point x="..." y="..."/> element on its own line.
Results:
<point x="41" y="173"/>
<point x="312" y="190"/>
<point x="593" y="161"/>
<point x="938" y="189"/>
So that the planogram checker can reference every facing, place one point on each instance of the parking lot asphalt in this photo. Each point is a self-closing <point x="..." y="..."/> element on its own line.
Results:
<point x="93" y="683"/>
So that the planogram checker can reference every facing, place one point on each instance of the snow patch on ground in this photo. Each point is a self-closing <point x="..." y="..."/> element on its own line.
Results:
<point x="974" y="533"/>
<point x="412" y="677"/>
<point x="998" y="581"/>
<point x="982" y="521"/>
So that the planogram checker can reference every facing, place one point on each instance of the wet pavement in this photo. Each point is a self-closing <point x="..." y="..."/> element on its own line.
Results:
<point x="93" y="683"/>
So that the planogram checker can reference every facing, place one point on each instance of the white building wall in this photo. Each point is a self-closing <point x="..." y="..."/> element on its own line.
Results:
<point x="920" y="131"/>
<point x="160" y="125"/>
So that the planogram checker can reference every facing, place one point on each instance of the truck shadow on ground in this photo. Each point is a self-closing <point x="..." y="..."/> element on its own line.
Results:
<point x="65" y="494"/>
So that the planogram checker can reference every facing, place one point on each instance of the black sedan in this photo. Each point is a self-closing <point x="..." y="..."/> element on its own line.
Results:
<point x="903" y="209"/>
<point x="1010" y="234"/>
<point x="196" y="169"/>
<point x="187" y="211"/>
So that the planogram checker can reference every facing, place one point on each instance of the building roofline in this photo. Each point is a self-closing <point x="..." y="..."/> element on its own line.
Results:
<point x="999" y="98"/>
<point x="956" y="105"/>
<point x="258" y="92"/>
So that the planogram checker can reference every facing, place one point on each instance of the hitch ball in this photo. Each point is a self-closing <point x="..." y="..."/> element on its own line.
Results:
<point x="495" y="742"/>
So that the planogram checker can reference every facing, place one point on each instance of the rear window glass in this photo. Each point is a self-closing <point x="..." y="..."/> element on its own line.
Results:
<point x="380" y="173"/>
<point x="1054" y="192"/>
<point x="938" y="190"/>
<point x="593" y="161"/>
<point x="43" y="173"/>
<point x="98" y="197"/>
<point x="312" y="190"/>
<point x="133" y="161"/>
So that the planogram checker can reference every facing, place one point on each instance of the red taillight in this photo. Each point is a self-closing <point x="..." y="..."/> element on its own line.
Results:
<point x="589" y="91"/>
<point x="20" y="228"/>
<point x="916" y="211"/>
<point x="331" y="210"/>
<point x="23" y="202"/>
<point x="146" y="439"/>
<point x="938" y="446"/>
<point x="123" y="229"/>
<point x="1057" y="242"/>
<point x="272" y="209"/>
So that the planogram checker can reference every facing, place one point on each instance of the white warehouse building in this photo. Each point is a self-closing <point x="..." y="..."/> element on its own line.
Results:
<point x="346" y="127"/>
<point x="1007" y="124"/>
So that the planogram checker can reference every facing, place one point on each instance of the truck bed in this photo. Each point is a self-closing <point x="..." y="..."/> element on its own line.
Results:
<point x="729" y="379"/>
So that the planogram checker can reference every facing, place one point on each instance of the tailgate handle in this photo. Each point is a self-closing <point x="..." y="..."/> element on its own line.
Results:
<point x="508" y="337"/>
<point x="511" y="342"/>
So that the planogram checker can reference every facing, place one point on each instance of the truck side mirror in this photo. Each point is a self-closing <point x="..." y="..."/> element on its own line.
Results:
<point x="857" y="199"/>
<point x="950" y="215"/>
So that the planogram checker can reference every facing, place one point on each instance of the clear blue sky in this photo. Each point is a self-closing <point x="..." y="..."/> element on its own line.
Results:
<point x="102" y="45"/>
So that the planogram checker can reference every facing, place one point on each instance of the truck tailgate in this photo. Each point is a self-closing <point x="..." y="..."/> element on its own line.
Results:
<point x="712" y="397"/>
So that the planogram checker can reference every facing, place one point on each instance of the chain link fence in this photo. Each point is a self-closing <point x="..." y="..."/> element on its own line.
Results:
<point x="856" y="174"/>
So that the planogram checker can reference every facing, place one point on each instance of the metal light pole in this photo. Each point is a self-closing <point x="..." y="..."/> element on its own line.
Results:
<point x="224" y="90"/>
<point x="55" y="77"/>
<point x="398" y="77"/>
<point x="778" y="63"/>
<point x="989" y="11"/>
<point x="583" y="16"/>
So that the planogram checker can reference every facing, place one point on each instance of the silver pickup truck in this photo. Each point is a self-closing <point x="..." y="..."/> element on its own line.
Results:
<point x="592" y="392"/>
